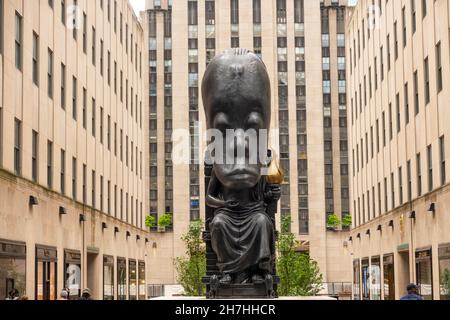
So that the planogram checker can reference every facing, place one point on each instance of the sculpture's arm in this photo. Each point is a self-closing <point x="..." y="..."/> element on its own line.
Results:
<point x="211" y="199"/>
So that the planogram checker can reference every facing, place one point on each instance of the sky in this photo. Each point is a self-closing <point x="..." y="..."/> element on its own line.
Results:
<point x="138" y="5"/>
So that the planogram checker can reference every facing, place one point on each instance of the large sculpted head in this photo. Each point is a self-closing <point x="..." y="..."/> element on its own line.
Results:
<point x="236" y="96"/>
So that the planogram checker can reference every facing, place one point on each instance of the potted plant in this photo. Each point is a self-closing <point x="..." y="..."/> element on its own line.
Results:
<point x="164" y="222"/>
<point x="333" y="222"/>
<point x="150" y="221"/>
<point x="346" y="221"/>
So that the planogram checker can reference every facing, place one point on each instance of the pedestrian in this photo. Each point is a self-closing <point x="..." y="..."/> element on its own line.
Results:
<point x="86" y="295"/>
<point x="64" y="295"/>
<point x="13" y="295"/>
<point x="412" y="293"/>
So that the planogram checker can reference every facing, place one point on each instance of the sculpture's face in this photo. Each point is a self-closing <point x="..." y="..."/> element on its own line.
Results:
<point x="236" y="94"/>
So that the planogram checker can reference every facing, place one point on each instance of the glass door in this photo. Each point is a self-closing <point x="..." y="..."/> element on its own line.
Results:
<point x="389" y="277"/>
<point x="365" y="280"/>
<point x="375" y="279"/>
<point x="108" y="278"/>
<point x="132" y="280"/>
<point x="46" y="266"/>
<point x="424" y="272"/>
<point x="12" y="268"/>
<point x="142" y="282"/>
<point x="121" y="279"/>
<point x="356" y="280"/>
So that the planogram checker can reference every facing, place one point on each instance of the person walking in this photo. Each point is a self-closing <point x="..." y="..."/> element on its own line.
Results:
<point x="412" y="293"/>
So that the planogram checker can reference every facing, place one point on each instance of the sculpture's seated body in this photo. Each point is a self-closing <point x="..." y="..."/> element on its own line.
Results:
<point x="236" y="97"/>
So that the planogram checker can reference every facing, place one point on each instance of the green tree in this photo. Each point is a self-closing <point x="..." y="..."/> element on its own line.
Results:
<point x="347" y="221"/>
<point x="192" y="267"/>
<point x="165" y="220"/>
<point x="333" y="221"/>
<point x="299" y="274"/>
<point x="150" y="221"/>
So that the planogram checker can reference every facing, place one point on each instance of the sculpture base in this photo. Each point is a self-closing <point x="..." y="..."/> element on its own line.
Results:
<point x="265" y="290"/>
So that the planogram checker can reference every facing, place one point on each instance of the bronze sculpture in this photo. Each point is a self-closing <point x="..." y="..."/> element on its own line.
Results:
<point x="241" y="201"/>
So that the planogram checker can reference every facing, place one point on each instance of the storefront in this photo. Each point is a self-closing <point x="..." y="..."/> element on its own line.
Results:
<point x="365" y="279"/>
<point x="142" y="282"/>
<point x="72" y="273"/>
<point x="375" y="279"/>
<point x="121" y="279"/>
<point x="389" y="277"/>
<point x="108" y="278"/>
<point x="356" y="280"/>
<point x="444" y="271"/>
<point x="46" y="268"/>
<point x="12" y="267"/>
<point x="424" y="272"/>
<point x="132" y="280"/>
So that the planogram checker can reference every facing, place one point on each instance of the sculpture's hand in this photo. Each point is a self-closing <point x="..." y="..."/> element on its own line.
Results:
<point x="232" y="203"/>
<point x="276" y="193"/>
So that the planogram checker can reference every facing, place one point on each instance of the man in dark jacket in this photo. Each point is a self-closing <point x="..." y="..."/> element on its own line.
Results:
<point x="412" y="293"/>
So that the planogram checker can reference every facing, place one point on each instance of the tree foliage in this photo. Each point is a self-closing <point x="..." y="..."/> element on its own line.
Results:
<point x="333" y="221"/>
<point x="299" y="274"/>
<point x="192" y="267"/>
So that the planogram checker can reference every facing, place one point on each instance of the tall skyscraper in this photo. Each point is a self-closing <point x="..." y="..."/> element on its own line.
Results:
<point x="302" y="44"/>
<point x="73" y="123"/>
<point x="398" y="54"/>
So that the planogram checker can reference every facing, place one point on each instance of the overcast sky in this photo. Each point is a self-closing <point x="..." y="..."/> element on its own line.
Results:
<point x="138" y="5"/>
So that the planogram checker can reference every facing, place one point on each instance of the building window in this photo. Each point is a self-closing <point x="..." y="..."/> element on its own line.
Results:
<point x="375" y="278"/>
<point x="35" y="67"/>
<point x="84" y="184"/>
<point x="389" y="277"/>
<point x="108" y="276"/>
<point x="46" y="270"/>
<point x="34" y="156"/>
<point x="442" y="160"/>
<point x="444" y="271"/>
<point x="74" y="178"/>
<point x="424" y="273"/>
<point x="18" y="41"/>
<point x="427" y="81"/>
<point x="101" y="125"/>
<point x="234" y="11"/>
<point x="93" y="189"/>
<point x="439" y="67"/>
<point x="419" y="175"/>
<point x="356" y="280"/>
<point x="84" y="107"/>
<point x="63" y="172"/>
<point x="121" y="279"/>
<point x="93" y="117"/>
<point x="63" y="86"/>
<point x="74" y="98"/>
<point x="84" y="33"/>
<point x="63" y="12"/>
<point x="13" y="270"/>
<point x="50" y="74"/>
<point x="72" y="273"/>
<point x="430" y="168"/>
<point x="17" y="147"/>
<point x="141" y="277"/>
<point x="49" y="164"/>
<point x="93" y="46"/>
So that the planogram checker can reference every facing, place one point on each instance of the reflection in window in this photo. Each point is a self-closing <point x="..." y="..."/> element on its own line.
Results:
<point x="356" y="281"/>
<point x="444" y="272"/>
<point x="132" y="279"/>
<point x="365" y="279"/>
<point x="375" y="279"/>
<point x="142" y="282"/>
<point x="121" y="279"/>
<point x="72" y="273"/>
<point x="108" y="278"/>
<point x="12" y="268"/>
<point x="424" y="274"/>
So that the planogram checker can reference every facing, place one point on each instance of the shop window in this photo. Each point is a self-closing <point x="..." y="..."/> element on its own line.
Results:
<point x="356" y="281"/>
<point x="108" y="278"/>
<point x="142" y="282"/>
<point x="46" y="266"/>
<point x="12" y="268"/>
<point x="365" y="279"/>
<point x="444" y="271"/>
<point x="121" y="279"/>
<point x="375" y="279"/>
<point x="424" y="274"/>
<point x="72" y="273"/>
<point x="389" y="277"/>
<point x="132" y="280"/>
